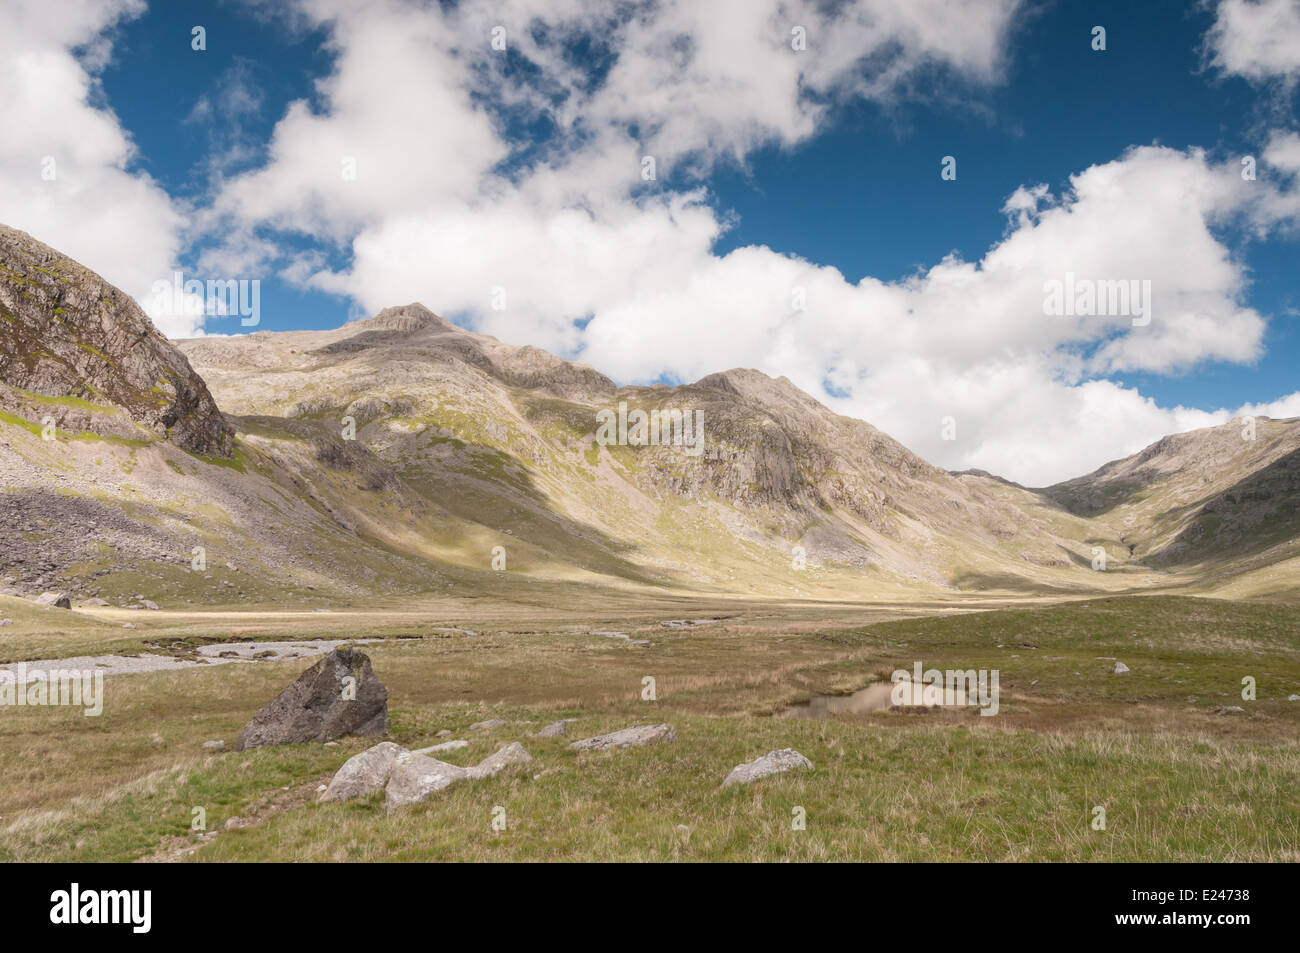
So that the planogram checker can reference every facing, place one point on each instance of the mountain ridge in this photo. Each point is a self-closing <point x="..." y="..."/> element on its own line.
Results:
<point x="399" y="453"/>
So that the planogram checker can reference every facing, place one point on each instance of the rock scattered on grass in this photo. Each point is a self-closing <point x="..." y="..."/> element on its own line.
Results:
<point x="214" y="745"/>
<point x="54" y="600"/>
<point x="774" y="762"/>
<point x="556" y="729"/>
<point x="1231" y="710"/>
<point x="487" y="725"/>
<point x="1120" y="668"/>
<point x="627" y="738"/>
<point x="444" y="746"/>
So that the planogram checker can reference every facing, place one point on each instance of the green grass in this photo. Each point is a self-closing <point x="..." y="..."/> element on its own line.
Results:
<point x="1177" y="781"/>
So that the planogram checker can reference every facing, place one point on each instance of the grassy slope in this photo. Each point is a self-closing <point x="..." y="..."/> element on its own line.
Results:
<point x="1178" y="781"/>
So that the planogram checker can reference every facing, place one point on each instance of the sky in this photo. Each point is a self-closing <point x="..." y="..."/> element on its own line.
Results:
<point x="871" y="198"/>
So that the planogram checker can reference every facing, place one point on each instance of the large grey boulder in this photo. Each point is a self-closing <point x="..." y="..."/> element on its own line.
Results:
<point x="628" y="738"/>
<point x="363" y="773"/>
<point x="57" y="600"/>
<point x="774" y="762"/>
<point x="414" y="777"/>
<point x="339" y="695"/>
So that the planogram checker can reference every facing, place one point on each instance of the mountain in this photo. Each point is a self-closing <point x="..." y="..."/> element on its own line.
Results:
<point x="1217" y="500"/>
<point x="72" y="340"/>
<point x="402" y="455"/>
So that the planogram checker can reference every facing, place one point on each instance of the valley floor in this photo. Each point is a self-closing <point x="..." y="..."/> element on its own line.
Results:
<point x="1177" y="780"/>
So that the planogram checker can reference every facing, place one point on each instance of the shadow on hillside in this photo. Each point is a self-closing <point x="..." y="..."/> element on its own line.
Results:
<point x="1249" y="517"/>
<point x="494" y="491"/>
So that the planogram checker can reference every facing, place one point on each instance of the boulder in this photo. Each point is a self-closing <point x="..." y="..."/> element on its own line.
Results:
<point x="774" y="762"/>
<point x="414" y="777"/>
<point x="556" y="729"/>
<point x="322" y="706"/>
<point x="627" y="738"/>
<point x="57" y="600"/>
<point x="363" y="773"/>
<point x="494" y="764"/>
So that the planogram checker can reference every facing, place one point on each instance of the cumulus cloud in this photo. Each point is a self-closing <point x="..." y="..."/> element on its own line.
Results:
<point x="1257" y="39"/>
<point x="464" y="176"/>
<point x="451" y="207"/>
<point x="65" y="161"/>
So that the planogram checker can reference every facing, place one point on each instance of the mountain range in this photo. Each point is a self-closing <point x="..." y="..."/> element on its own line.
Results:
<point x="402" y="455"/>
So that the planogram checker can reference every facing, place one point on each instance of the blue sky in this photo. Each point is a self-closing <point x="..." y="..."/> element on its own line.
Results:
<point x="817" y="169"/>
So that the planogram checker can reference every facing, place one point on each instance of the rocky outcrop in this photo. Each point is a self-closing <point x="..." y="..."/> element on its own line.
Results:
<point x="69" y="335"/>
<point x="339" y="695"/>
<point x="628" y="738"/>
<point x="774" y="762"/>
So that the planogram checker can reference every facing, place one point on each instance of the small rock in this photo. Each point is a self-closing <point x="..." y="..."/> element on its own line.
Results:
<point x="214" y="745"/>
<point x="774" y="762"/>
<point x="1120" y="668"/>
<point x="1293" y="698"/>
<point x="494" y="764"/>
<point x="445" y="746"/>
<point x="556" y="729"/>
<point x="55" y="600"/>
<point x="1231" y="710"/>
<point x="6" y="621"/>
<point x="129" y="625"/>
<point x="487" y="725"/>
<point x="149" y="604"/>
<point x="444" y="733"/>
<point x="627" y="738"/>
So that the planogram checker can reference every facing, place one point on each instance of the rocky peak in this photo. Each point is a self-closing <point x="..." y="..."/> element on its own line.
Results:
<point x="69" y="333"/>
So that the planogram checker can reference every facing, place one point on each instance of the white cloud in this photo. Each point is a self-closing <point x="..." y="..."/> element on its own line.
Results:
<point x="1257" y="39"/>
<point x="580" y="238"/>
<point x="117" y="222"/>
<point x="596" y="263"/>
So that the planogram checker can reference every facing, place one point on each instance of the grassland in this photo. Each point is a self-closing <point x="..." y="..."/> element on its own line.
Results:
<point x="1177" y="780"/>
